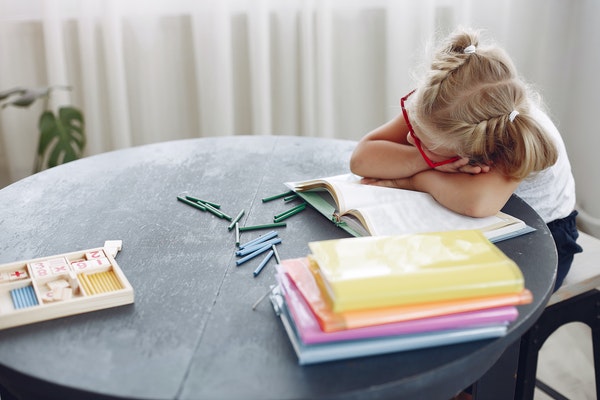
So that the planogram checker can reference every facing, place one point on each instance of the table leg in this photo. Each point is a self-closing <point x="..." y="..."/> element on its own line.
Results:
<point x="5" y="394"/>
<point x="499" y="382"/>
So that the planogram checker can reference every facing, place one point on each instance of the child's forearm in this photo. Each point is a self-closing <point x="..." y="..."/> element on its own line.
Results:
<point x="386" y="160"/>
<point x="478" y="195"/>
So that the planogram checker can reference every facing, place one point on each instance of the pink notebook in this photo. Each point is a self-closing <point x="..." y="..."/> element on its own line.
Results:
<point x="310" y="332"/>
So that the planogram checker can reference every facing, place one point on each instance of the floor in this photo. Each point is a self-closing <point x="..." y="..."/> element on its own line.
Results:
<point x="566" y="363"/>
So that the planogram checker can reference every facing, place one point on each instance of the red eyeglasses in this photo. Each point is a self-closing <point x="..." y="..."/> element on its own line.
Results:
<point x="418" y="145"/>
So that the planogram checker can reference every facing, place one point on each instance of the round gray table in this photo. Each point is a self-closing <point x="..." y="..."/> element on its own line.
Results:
<point x="192" y="333"/>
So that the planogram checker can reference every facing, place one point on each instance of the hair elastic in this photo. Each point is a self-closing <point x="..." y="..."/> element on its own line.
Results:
<point x="512" y="115"/>
<point x="470" y="49"/>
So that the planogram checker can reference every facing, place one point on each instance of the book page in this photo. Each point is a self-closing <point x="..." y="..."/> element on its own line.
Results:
<point x="330" y="185"/>
<point x="418" y="214"/>
<point x="349" y="193"/>
<point x="389" y="211"/>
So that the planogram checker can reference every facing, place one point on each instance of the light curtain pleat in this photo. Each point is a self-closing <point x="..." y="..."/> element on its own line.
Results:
<point x="259" y="51"/>
<point x="91" y="90"/>
<point x="117" y="112"/>
<point x="285" y="88"/>
<point x="56" y="69"/>
<point x="213" y="65"/>
<point x="307" y="73"/>
<point x="324" y="69"/>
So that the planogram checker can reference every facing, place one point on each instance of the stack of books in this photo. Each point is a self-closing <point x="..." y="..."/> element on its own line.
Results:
<point x="375" y="295"/>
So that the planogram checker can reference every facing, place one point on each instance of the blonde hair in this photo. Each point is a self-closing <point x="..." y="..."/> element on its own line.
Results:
<point x="466" y="103"/>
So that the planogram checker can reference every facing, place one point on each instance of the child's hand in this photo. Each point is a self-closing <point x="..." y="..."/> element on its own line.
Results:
<point x="465" y="166"/>
<point x="398" y="183"/>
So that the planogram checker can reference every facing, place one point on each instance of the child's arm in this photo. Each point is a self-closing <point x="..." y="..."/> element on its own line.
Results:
<point x="385" y="153"/>
<point x="385" y="158"/>
<point x="478" y="195"/>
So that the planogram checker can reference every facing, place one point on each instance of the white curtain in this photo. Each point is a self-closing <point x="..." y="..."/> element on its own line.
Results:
<point x="146" y="71"/>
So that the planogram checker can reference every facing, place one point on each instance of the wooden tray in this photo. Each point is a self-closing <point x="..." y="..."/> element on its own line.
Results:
<point x="64" y="284"/>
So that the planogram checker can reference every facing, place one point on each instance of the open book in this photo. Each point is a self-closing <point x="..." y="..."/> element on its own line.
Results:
<point x="366" y="210"/>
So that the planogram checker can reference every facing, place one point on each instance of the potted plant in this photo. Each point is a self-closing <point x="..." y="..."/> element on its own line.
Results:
<point x="61" y="135"/>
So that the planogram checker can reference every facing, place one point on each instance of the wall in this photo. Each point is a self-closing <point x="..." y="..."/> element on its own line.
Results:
<point x="580" y="129"/>
<point x="173" y="69"/>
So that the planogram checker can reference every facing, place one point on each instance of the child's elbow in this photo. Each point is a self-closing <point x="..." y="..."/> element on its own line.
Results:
<point x="480" y="209"/>
<point x="357" y="165"/>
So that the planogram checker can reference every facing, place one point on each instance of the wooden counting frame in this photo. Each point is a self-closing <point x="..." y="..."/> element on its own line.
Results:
<point x="65" y="284"/>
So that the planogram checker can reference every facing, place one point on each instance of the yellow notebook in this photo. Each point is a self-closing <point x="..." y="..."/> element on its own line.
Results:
<point x="383" y="271"/>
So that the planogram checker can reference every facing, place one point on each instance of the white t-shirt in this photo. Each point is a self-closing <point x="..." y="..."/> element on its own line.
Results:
<point x="550" y="192"/>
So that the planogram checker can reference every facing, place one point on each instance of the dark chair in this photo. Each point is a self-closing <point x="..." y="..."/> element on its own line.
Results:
<point x="577" y="300"/>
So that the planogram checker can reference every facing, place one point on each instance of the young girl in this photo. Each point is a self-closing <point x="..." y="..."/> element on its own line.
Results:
<point x="471" y="135"/>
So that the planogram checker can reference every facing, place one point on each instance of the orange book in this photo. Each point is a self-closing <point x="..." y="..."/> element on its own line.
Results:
<point x="299" y="271"/>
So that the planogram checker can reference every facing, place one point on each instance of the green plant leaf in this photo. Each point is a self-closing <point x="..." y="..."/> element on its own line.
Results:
<point x="62" y="139"/>
<point x="25" y="98"/>
<point x="7" y="93"/>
